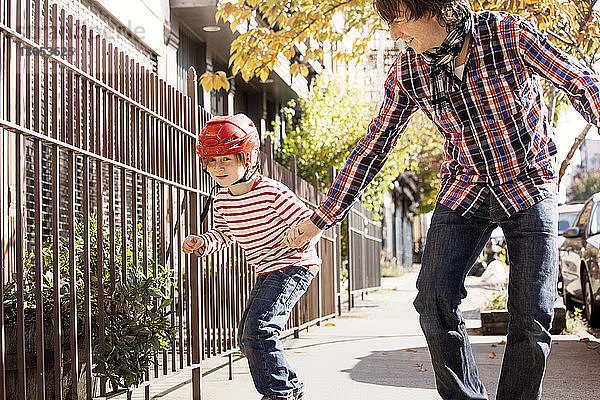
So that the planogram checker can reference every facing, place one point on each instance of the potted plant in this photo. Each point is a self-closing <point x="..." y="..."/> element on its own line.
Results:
<point x="495" y="317"/>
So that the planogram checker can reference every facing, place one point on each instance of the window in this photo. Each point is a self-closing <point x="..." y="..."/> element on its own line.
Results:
<point x="565" y="221"/>
<point x="595" y="223"/>
<point x="584" y="217"/>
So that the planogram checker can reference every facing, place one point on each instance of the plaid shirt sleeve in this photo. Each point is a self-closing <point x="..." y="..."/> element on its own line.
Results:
<point x="370" y="154"/>
<point x="581" y="84"/>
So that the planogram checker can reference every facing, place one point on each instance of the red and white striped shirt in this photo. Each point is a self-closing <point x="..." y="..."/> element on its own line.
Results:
<point x="257" y="221"/>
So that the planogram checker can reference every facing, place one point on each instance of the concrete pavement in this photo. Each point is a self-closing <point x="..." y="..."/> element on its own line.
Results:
<point x="377" y="351"/>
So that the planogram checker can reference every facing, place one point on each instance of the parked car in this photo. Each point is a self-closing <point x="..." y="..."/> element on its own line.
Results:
<point x="579" y="258"/>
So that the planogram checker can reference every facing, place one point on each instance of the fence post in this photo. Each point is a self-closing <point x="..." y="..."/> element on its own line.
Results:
<point x="3" y="234"/>
<point x="364" y="255"/>
<point x="349" y="251"/>
<point x="195" y="274"/>
<point x="336" y="251"/>
<point x="269" y="153"/>
<point x="294" y="188"/>
<point x="319" y="286"/>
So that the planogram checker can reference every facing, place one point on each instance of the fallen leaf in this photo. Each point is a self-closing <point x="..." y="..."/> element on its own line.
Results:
<point x="584" y="339"/>
<point x="330" y="324"/>
<point x="493" y="355"/>
<point x="593" y="347"/>
<point x="494" y="345"/>
<point x="421" y="368"/>
<point x="411" y="350"/>
<point x="502" y="342"/>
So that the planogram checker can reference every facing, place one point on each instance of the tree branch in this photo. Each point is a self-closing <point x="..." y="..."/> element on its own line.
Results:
<point x="582" y="55"/>
<point x="590" y="11"/>
<point x="551" y="103"/>
<point x="561" y="39"/>
<point x="574" y="147"/>
<point x="292" y="35"/>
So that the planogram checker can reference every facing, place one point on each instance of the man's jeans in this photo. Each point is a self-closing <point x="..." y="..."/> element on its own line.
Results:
<point x="267" y="311"/>
<point x="453" y="245"/>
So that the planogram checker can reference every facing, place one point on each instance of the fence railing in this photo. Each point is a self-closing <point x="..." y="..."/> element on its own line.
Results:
<point x="99" y="184"/>
<point x="364" y="252"/>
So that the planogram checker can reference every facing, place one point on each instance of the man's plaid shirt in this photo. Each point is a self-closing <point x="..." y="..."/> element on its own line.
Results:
<point x="496" y="135"/>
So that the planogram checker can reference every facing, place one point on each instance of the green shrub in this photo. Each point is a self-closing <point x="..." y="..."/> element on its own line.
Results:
<point x="137" y="323"/>
<point x="498" y="300"/>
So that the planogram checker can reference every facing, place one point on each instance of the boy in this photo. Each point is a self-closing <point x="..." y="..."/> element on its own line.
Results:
<point x="255" y="212"/>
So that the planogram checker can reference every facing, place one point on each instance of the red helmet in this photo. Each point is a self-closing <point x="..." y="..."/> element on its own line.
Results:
<point x="228" y="135"/>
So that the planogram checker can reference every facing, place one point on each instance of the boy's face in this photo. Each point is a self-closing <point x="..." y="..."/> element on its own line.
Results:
<point x="421" y="35"/>
<point x="225" y="169"/>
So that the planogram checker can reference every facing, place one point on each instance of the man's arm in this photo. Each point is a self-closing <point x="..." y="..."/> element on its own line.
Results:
<point x="579" y="83"/>
<point x="365" y="161"/>
<point x="369" y="156"/>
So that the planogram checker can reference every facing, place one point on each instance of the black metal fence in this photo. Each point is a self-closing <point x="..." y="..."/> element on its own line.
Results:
<point x="99" y="184"/>
<point x="364" y="252"/>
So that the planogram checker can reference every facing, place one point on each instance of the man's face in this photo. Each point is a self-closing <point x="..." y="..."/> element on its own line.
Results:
<point x="421" y="35"/>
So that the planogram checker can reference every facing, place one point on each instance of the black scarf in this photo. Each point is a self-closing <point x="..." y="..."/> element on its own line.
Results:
<point x="441" y="61"/>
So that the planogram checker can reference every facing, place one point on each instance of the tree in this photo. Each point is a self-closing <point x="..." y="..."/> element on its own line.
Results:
<point x="344" y="27"/>
<point x="333" y="119"/>
<point x="299" y="30"/>
<point x="584" y="187"/>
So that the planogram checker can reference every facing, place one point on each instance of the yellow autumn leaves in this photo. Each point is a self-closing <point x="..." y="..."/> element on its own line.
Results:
<point x="214" y="81"/>
<point x="271" y="33"/>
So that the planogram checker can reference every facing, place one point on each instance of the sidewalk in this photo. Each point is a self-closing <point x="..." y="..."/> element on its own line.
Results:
<point x="377" y="351"/>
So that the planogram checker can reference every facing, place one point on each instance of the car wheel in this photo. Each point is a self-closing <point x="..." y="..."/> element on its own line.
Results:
<point x="591" y="311"/>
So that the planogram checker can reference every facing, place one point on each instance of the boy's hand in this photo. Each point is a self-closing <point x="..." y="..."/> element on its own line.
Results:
<point x="301" y="234"/>
<point x="192" y="243"/>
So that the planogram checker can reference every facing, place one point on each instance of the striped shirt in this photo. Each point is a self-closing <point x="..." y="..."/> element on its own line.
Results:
<point x="496" y="132"/>
<point x="257" y="222"/>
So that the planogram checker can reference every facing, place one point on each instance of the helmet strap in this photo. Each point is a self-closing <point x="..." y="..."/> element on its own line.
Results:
<point x="207" y="204"/>
<point x="248" y="174"/>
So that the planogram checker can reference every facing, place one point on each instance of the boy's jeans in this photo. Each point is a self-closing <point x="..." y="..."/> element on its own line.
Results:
<point x="453" y="245"/>
<point x="267" y="311"/>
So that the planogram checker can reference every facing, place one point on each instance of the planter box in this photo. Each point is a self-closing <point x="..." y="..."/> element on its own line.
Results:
<point x="495" y="322"/>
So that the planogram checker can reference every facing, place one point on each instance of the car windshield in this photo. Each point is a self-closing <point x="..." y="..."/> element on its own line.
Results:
<point x="565" y="220"/>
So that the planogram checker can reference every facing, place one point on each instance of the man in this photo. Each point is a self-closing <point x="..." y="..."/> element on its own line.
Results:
<point x="473" y="74"/>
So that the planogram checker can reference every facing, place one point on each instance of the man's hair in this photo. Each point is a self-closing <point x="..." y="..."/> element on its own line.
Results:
<point x="448" y="12"/>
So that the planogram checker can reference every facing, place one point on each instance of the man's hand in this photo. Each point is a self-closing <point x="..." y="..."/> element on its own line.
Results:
<point x="192" y="243"/>
<point x="301" y="234"/>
